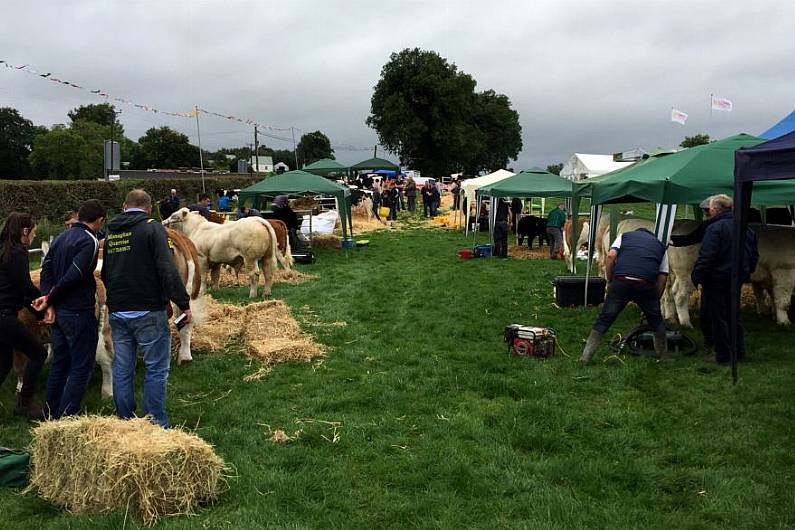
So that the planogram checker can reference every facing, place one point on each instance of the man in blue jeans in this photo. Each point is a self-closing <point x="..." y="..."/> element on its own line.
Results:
<point x="141" y="278"/>
<point x="67" y="281"/>
<point x="637" y="269"/>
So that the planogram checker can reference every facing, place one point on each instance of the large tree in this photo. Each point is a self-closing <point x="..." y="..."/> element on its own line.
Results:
<point x="165" y="148"/>
<point x="497" y="133"/>
<point x="102" y="113"/>
<point x="314" y="146"/>
<point x="16" y="141"/>
<point x="555" y="169"/>
<point x="427" y="111"/>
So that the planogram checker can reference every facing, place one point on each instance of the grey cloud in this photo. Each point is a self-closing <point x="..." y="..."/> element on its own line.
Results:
<point x="586" y="76"/>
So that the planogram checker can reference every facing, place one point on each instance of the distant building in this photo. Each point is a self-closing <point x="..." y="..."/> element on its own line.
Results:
<point x="261" y="164"/>
<point x="582" y="166"/>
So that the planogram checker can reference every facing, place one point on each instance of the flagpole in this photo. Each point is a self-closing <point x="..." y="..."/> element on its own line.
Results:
<point x="199" y="134"/>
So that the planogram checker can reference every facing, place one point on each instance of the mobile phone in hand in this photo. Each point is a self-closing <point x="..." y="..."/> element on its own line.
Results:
<point x="181" y="320"/>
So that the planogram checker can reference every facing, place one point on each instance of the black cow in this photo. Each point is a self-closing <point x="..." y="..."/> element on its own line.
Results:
<point x="531" y="226"/>
<point x="358" y="194"/>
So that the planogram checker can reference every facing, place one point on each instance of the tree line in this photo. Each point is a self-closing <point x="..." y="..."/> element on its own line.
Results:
<point x="76" y="150"/>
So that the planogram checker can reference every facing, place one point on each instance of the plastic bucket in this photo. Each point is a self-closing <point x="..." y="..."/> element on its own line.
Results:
<point x="383" y="212"/>
<point x="465" y="253"/>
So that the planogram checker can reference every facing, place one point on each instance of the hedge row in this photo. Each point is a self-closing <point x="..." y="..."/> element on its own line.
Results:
<point x="51" y="198"/>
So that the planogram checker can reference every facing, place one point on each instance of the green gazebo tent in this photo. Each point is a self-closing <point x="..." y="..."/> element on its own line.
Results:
<point x="533" y="182"/>
<point x="325" y="167"/>
<point x="375" y="163"/>
<point x="302" y="183"/>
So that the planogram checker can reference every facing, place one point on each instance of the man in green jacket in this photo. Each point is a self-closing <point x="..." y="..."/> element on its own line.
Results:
<point x="555" y="221"/>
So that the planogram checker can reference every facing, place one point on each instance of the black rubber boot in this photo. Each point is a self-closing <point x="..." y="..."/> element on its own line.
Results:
<point x="661" y="345"/>
<point x="590" y="346"/>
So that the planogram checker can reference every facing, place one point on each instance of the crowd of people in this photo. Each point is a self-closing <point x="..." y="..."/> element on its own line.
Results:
<point x="141" y="281"/>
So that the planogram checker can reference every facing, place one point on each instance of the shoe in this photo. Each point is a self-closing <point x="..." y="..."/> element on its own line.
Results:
<point x="714" y="359"/>
<point x="661" y="346"/>
<point x="27" y="408"/>
<point x="590" y="346"/>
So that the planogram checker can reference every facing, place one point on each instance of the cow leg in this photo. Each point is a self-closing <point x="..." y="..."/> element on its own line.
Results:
<point x="267" y="272"/>
<point x="253" y="278"/>
<point x="105" y="362"/>
<point x="682" y="291"/>
<point x="762" y="305"/>
<point x="185" y="335"/>
<point x="783" y="284"/>
<point x="215" y="276"/>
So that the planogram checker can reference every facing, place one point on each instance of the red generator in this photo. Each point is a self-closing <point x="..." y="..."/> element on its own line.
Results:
<point x="530" y="341"/>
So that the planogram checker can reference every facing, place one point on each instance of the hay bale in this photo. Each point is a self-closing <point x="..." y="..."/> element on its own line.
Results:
<point x="94" y="464"/>
<point x="326" y="241"/>
<point x="266" y="331"/>
<point x="523" y="252"/>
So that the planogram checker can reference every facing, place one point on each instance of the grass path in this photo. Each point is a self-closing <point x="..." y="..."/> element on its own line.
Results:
<point x="419" y="418"/>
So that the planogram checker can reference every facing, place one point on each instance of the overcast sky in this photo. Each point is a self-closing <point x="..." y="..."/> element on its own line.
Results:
<point x="588" y="76"/>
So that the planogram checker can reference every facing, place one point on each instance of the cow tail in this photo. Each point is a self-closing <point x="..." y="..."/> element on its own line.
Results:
<point x="274" y="249"/>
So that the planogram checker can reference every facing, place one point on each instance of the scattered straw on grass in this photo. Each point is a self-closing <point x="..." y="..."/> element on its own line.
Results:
<point x="279" y="437"/>
<point x="266" y="331"/>
<point x="292" y="277"/>
<point x="93" y="464"/>
<point x="522" y="252"/>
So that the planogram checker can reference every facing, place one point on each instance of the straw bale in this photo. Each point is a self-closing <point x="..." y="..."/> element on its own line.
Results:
<point x="93" y="464"/>
<point x="266" y="331"/>
<point x="304" y="203"/>
<point x="327" y="241"/>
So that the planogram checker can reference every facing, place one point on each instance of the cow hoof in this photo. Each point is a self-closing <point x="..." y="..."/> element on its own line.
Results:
<point x="182" y="362"/>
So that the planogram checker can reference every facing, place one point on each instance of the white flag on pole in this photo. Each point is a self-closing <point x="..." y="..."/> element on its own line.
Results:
<point x="678" y="116"/>
<point x="721" y="104"/>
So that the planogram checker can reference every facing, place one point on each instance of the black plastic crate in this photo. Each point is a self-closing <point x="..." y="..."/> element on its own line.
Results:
<point x="570" y="290"/>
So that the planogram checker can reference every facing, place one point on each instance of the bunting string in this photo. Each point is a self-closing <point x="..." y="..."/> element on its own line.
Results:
<point x="48" y="76"/>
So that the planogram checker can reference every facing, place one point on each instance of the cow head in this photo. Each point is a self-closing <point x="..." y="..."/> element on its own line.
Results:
<point x="184" y="220"/>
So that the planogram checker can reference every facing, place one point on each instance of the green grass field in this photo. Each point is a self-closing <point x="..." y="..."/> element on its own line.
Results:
<point x="418" y="418"/>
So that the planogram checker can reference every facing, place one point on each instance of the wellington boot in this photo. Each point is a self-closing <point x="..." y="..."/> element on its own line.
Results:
<point x="661" y="346"/>
<point x="590" y="346"/>
<point x="27" y="408"/>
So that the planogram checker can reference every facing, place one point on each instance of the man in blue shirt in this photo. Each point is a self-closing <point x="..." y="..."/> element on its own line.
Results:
<point x="68" y="284"/>
<point x="637" y="271"/>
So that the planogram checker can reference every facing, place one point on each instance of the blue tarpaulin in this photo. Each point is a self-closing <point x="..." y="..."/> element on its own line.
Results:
<point x="785" y="126"/>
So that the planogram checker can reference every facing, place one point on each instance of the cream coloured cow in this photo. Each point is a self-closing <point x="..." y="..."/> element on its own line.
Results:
<point x="775" y="272"/>
<point x="248" y="241"/>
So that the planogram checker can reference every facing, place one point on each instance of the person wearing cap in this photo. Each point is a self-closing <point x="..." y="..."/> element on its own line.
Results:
<point x="713" y="272"/>
<point x="636" y="268"/>
<point x="695" y="237"/>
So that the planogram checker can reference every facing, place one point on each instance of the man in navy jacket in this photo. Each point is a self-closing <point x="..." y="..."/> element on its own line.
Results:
<point x="713" y="271"/>
<point x="67" y="281"/>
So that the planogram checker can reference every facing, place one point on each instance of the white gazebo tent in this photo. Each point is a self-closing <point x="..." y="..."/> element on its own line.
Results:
<point x="471" y="186"/>
<point x="583" y="166"/>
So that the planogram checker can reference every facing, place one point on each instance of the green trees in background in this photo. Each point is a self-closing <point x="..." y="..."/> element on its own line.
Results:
<point x="427" y="111"/>
<point x="313" y="146"/>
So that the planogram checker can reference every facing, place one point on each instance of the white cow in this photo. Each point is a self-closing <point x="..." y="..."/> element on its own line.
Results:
<point x="248" y="241"/>
<point x="775" y="272"/>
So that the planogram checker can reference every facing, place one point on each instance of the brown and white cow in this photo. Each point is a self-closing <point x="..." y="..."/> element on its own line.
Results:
<point x="186" y="259"/>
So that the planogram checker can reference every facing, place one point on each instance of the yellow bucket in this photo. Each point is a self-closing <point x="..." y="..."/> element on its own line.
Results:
<point x="383" y="212"/>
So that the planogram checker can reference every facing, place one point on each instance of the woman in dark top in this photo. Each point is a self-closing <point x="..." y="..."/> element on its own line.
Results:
<point x="17" y="292"/>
